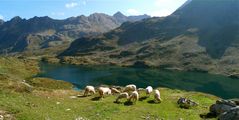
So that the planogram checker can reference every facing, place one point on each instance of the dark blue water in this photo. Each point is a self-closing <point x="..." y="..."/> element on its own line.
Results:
<point x="81" y="76"/>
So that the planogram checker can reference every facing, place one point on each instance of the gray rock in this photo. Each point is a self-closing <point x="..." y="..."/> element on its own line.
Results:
<point x="225" y="109"/>
<point x="232" y="114"/>
<point x="218" y="109"/>
<point x="236" y="101"/>
<point x="227" y="102"/>
<point x="222" y="106"/>
<point x="186" y="103"/>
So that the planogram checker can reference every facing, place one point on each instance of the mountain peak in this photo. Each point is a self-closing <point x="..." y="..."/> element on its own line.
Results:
<point x="16" y="18"/>
<point x="98" y="14"/>
<point x="120" y="17"/>
<point x="119" y="14"/>
<point x="48" y="32"/>
<point x="41" y="18"/>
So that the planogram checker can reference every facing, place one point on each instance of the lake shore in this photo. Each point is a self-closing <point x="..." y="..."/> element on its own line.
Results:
<point x="53" y="99"/>
<point x="90" y="60"/>
<point x="156" y="77"/>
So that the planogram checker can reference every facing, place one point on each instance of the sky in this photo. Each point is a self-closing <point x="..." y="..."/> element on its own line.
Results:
<point x="61" y="9"/>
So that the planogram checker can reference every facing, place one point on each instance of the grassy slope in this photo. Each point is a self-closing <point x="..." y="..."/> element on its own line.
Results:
<point x="18" y="68"/>
<point x="181" y="53"/>
<point x="41" y="103"/>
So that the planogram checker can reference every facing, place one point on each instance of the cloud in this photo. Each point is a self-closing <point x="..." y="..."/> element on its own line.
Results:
<point x="1" y="17"/>
<point x="71" y="5"/>
<point x="133" y="12"/>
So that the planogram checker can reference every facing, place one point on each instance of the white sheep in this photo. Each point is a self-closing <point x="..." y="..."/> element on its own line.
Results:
<point x="134" y="96"/>
<point x="157" y="96"/>
<point x="149" y="90"/>
<point x="89" y="89"/>
<point x="2" y="117"/>
<point x="129" y="88"/>
<point x="122" y="95"/>
<point x="103" y="91"/>
<point x="114" y="90"/>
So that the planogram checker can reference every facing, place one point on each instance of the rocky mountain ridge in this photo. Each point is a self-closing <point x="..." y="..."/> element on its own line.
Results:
<point x="199" y="36"/>
<point x="41" y="35"/>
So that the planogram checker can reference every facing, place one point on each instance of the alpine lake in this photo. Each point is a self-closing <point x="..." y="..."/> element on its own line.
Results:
<point x="80" y="76"/>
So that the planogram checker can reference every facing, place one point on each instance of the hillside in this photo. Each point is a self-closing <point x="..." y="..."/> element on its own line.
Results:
<point x="44" y="35"/>
<point x="24" y="97"/>
<point x="199" y="36"/>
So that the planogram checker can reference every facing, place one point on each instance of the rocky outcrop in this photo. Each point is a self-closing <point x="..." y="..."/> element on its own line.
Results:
<point x="186" y="103"/>
<point x="234" y="75"/>
<point x="225" y="109"/>
<point x="222" y="106"/>
<point x="232" y="114"/>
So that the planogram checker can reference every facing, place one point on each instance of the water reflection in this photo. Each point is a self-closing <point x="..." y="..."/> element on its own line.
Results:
<point x="81" y="76"/>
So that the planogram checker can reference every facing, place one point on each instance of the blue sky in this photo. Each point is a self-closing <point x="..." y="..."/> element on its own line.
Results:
<point x="60" y="9"/>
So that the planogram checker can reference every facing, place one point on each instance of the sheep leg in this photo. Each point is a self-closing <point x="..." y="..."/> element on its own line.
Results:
<point x="85" y="93"/>
<point x="92" y="93"/>
<point x="117" y="100"/>
<point x="135" y="101"/>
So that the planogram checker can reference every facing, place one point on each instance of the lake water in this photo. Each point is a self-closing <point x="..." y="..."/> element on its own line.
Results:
<point x="81" y="76"/>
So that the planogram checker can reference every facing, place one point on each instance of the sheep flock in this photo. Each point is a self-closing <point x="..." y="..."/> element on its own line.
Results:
<point x="130" y="93"/>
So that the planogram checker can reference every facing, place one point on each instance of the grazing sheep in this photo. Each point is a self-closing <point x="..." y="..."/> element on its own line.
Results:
<point x="157" y="96"/>
<point x="148" y="90"/>
<point x="103" y="91"/>
<point x="129" y="88"/>
<point x="122" y="95"/>
<point x="114" y="90"/>
<point x="89" y="89"/>
<point x="1" y="117"/>
<point x="134" y="97"/>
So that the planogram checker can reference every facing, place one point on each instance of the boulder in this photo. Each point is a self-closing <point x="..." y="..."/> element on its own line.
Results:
<point x="186" y="103"/>
<point x="222" y="106"/>
<point x="227" y="102"/>
<point x="236" y="101"/>
<point x="234" y="75"/>
<point x="232" y="114"/>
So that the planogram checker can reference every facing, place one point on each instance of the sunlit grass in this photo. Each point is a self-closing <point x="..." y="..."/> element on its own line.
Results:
<point x="52" y="100"/>
<point x="57" y="105"/>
